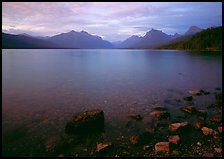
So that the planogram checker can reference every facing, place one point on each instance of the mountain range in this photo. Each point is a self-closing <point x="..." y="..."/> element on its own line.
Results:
<point x="83" y="40"/>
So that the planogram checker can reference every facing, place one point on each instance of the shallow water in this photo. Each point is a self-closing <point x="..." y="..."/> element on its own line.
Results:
<point x="42" y="89"/>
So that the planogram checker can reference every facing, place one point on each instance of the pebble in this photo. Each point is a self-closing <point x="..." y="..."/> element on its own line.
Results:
<point x="174" y="139"/>
<point x="133" y="140"/>
<point x="199" y="144"/>
<point x="146" y="147"/>
<point x="162" y="146"/>
<point x="218" y="150"/>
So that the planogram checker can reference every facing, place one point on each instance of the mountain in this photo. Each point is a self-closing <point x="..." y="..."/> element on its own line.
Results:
<point x="26" y="41"/>
<point x="193" y="30"/>
<point x="82" y="40"/>
<point x="130" y="42"/>
<point x="151" y="39"/>
<point x="176" y="35"/>
<point x="209" y="39"/>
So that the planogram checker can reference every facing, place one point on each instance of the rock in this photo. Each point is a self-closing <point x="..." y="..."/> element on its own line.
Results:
<point x="199" y="144"/>
<point x="146" y="147"/>
<point x="207" y="131"/>
<point x="189" y="98"/>
<point x="188" y="109"/>
<point x="175" y="126"/>
<point x="204" y="92"/>
<point x="133" y="140"/>
<point x="195" y="93"/>
<point x="160" y="114"/>
<point x="218" y="150"/>
<point x="102" y="146"/>
<point x="208" y="155"/>
<point x="174" y="139"/>
<point x="215" y="119"/>
<point x="85" y="122"/>
<point x="197" y="124"/>
<point x="51" y="144"/>
<point x="136" y="117"/>
<point x="160" y="108"/>
<point x="220" y="129"/>
<point x="162" y="146"/>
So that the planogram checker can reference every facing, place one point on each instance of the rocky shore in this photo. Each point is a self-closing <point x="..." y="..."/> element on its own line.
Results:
<point x="160" y="133"/>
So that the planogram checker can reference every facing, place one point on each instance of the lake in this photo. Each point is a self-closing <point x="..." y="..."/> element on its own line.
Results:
<point x="42" y="89"/>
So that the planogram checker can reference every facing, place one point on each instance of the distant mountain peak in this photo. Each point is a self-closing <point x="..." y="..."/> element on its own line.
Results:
<point x="25" y="34"/>
<point x="193" y="30"/>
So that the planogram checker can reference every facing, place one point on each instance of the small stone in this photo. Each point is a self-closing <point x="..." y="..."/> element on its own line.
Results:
<point x="197" y="124"/>
<point x="146" y="147"/>
<point x="174" y="139"/>
<point x="102" y="146"/>
<point x="188" y="109"/>
<point x="133" y="140"/>
<point x="162" y="146"/>
<point x="195" y="93"/>
<point x="220" y="129"/>
<point x="189" y="98"/>
<point x="198" y="143"/>
<point x="218" y="150"/>
<point x="207" y="131"/>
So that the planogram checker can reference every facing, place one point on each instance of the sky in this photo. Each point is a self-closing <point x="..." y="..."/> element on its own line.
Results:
<point x="113" y="21"/>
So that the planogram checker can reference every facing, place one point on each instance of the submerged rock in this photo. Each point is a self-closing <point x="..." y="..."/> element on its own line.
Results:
<point x="204" y="92"/>
<point x="51" y="144"/>
<point x="215" y="119"/>
<point x="189" y="98"/>
<point x="175" y="126"/>
<point x="195" y="93"/>
<point x="102" y="146"/>
<point x="162" y="146"/>
<point x="160" y="114"/>
<point x="174" y="139"/>
<point x="136" y="117"/>
<point x="86" y="122"/>
<point x="189" y="109"/>
<point x="161" y="108"/>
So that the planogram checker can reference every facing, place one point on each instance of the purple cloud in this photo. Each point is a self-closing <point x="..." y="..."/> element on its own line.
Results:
<point x="112" y="20"/>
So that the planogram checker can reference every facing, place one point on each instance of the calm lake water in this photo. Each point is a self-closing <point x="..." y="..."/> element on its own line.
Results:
<point x="42" y="89"/>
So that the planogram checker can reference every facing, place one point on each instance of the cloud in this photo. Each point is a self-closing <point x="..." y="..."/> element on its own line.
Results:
<point x="112" y="20"/>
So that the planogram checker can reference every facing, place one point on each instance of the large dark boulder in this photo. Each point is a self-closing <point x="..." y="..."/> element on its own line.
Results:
<point x="86" y="122"/>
